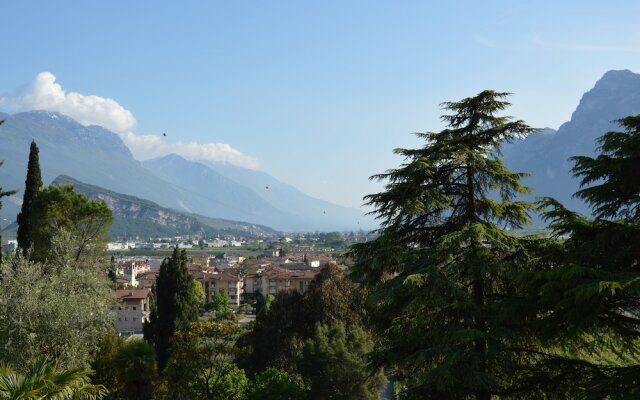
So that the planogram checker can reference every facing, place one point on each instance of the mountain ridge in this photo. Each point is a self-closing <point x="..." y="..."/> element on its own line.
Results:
<point x="547" y="155"/>
<point x="152" y="219"/>
<point x="99" y="156"/>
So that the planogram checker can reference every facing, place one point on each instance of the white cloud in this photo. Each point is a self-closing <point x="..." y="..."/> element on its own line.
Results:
<point x="149" y="146"/>
<point x="44" y="93"/>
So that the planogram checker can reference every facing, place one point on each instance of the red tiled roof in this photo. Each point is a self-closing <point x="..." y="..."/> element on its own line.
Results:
<point x="125" y="294"/>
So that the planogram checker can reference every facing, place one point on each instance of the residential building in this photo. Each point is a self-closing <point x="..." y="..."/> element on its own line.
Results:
<point x="133" y="310"/>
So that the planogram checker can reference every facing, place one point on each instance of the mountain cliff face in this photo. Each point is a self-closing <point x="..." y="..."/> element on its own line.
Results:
<point x="138" y="217"/>
<point x="546" y="155"/>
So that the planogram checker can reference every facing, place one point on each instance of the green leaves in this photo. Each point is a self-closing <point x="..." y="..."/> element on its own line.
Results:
<point x="443" y="265"/>
<point x="41" y="381"/>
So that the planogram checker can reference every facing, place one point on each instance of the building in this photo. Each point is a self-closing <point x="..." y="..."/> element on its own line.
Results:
<point x="275" y="279"/>
<point x="133" y="310"/>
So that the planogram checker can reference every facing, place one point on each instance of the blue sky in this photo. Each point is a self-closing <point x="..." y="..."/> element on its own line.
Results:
<point x="315" y="93"/>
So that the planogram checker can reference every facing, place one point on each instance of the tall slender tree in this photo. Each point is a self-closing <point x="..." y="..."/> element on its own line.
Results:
<point x="3" y="193"/>
<point x="442" y="264"/>
<point x="32" y="186"/>
<point x="175" y="304"/>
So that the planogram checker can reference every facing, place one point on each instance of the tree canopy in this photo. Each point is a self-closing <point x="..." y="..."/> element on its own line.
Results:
<point x="443" y="261"/>
<point x="588" y="302"/>
<point x="60" y="208"/>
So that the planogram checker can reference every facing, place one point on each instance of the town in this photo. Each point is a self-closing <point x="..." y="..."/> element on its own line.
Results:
<point x="240" y="279"/>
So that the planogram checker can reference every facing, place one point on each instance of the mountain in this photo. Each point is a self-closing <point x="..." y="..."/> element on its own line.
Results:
<point x="139" y="217"/>
<point x="228" y="199"/>
<point x="96" y="155"/>
<point x="89" y="153"/>
<point x="546" y="154"/>
<point x="283" y="196"/>
<point x="257" y="196"/>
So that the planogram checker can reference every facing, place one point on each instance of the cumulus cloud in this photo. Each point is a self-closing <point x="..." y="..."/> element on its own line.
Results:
<point x="149" y="146"/>
<point x="44" y="93"/>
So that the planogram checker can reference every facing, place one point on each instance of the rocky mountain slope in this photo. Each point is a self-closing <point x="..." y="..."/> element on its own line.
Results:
<point x="139" y="217"/>
<point x="546" y="155"/>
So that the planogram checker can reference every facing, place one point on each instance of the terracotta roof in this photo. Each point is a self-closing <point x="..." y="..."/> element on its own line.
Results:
<point x="125" y="294"/>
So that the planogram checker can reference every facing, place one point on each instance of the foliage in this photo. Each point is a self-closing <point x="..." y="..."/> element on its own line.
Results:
<point x="59" y="208"/>
<point x="175" y="304"/>
<point x="442" y="265"/>
<point x="137" y="369"/>
<point x="201" y="364"/>
<point x="60" y="314"/>
<point x="590" y="297"/>
<point x="335" y="362"/>
<point x="220" y="307"/>
<point x="40" y="381"/>
<point x="274" y="384"/>
<point x="104" y="363"/>
<point x="32" y="186"/>
<point x="277" y="336"/>
<point x="331" y="297"/>
<point x="198" y="292"/>
<point x="280" y="332"/>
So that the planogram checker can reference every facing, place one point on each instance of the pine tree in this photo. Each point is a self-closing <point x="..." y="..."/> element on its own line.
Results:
<point x="175" y="304"/>
<point x="3" y="194"/>
<point x="441" y="266"/>
<point x="589" y="300"/>
<point x="32" y="186"/>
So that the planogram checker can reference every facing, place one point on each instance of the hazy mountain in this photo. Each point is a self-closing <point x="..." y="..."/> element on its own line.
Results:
<point x="546" y="155"/>
<point x="98" y="156"/>
<point x="139" y="217"/>
<point x="252" y="195"/>
<point x="228" y="199"/>
<point x="286" y="197"/>
<point x="90" y="154"/>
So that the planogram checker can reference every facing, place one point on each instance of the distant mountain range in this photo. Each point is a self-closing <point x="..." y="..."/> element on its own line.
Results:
<point x="99" y="157"/>
<point x="546" y="155"/>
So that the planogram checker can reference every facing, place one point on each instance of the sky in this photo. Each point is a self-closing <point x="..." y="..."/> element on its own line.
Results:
<point x="317" y="94"/>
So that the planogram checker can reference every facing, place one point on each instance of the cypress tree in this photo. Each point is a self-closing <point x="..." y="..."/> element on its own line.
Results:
<point x="32" y="186"/>
<point x="441" y="267"/>
<point x="175" y="304"/>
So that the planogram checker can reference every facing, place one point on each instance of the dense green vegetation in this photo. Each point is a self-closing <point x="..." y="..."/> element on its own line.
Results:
<point x="32" y="186"/>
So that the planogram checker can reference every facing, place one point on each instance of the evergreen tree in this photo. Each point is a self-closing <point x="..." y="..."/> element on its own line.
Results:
<point x="32" y="186"/>
<point x="442" y="264"/>
<point x="175" y="304"/>
<point x="588" y="302"/>
<point x="3" y="194"/>
<point x="335" y="363"/>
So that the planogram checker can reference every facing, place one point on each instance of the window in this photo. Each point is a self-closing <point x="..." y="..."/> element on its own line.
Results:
<point x="134" y="308"/>
<point x="125" y="318"/>
<point x="119" y="319"/>
<point x="134" y="318"/>
<point x="119" y="308"/>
